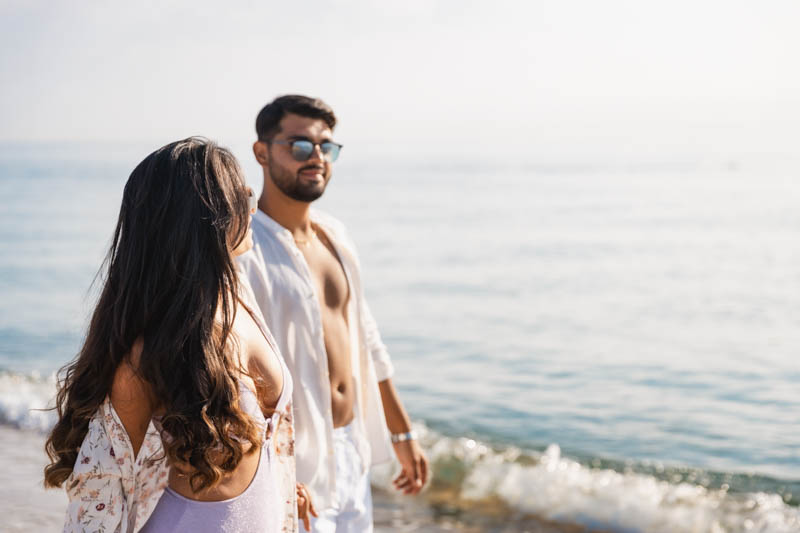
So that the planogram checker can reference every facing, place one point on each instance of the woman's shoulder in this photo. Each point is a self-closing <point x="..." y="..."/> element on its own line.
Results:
<point x="126" y="378"/>
<point x="132" y="397"/>
<point x="258" y="356"/>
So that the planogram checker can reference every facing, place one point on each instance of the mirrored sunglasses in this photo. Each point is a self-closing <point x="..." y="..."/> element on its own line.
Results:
<point x="302" y="149"/>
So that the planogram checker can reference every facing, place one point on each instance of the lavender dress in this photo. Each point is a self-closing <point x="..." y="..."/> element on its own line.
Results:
<point x="264" y="505"/>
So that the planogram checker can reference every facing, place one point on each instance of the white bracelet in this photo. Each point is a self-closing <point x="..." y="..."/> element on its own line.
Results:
<point x="402" y="437"/>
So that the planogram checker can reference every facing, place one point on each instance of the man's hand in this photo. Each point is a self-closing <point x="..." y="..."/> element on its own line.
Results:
<point x="415" y="467"/>
<point x="409" y="453"/>
<point x="305" y="506"/>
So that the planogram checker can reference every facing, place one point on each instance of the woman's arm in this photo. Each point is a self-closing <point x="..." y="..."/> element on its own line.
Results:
<point x="98" y="499"/>
<point x="97" y="490"/>
<point x="132" y="398"/>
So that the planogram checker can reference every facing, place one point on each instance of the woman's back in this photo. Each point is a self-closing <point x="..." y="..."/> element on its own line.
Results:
<point x="259" y="505"/>
<point x="265" y="376"/>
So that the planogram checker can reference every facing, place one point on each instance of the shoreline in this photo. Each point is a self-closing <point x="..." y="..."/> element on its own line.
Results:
<point x="484" y="493"/>
<point x="395" y="512"/>
<point x="27" y="506"/>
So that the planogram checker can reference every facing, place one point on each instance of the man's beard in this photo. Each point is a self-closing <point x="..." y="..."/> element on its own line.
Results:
<point x="292" y="186"/>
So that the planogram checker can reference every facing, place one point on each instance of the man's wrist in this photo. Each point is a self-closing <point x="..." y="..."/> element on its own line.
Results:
<point x="402" y="437"/>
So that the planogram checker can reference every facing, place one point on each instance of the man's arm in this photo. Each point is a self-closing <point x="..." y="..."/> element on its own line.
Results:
<point x="409" y="453"/>
<point x="377" y="350"/>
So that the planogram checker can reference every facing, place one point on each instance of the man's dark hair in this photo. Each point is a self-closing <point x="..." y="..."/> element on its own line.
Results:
<point x="269" y="118"/>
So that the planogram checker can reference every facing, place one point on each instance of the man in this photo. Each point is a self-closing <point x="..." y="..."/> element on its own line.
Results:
<point x="306" y="277"/>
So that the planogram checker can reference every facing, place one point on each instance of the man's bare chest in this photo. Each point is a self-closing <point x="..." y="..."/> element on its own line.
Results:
<point x="328" y="276"/>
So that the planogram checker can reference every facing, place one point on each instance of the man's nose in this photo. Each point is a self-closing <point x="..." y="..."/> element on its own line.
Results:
<point x="317" y="155"/>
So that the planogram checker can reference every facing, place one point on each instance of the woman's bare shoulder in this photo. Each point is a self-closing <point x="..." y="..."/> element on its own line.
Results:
<point x="132" y="397"/>
<point x="128" y="385"/>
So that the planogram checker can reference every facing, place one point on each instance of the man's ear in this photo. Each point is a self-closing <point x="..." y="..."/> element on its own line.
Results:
<point x="261" y="152"/>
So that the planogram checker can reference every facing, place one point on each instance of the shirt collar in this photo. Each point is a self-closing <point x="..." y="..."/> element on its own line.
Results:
<point x="273" y="226"/>
<point x="346" y="254"/>
<point x="270" y="224"/>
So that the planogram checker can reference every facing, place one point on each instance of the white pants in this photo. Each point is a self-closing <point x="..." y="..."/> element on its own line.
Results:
<point x="354" y="511"/>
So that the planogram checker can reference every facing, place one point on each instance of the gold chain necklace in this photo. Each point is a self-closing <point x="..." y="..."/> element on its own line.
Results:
<point x="305" y="242"/>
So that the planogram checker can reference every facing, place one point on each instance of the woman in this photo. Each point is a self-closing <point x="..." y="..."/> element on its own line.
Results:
<point x="176" y="414"/>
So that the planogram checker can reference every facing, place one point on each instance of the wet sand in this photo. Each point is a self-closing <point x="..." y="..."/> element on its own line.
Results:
<point x="396" y="513"/>
<point x="24" y="503"/>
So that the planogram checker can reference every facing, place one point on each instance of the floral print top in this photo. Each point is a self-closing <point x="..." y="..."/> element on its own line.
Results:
<point x="109" y="490"/>
<point x="285" y="467"/>
<point x="112" y="491"/>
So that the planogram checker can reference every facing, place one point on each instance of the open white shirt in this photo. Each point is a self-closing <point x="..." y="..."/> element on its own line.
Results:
<point x="286" y="294"/>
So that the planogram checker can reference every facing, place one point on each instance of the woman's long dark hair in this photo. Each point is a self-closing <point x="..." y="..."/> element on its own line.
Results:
<point x="170" y="280"/>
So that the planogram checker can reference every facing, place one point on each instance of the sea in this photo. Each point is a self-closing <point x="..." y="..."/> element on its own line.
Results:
<point x="584" y="344"/>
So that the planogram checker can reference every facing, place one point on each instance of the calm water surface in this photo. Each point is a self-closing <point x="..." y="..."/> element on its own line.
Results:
<point x="644" y="318"/>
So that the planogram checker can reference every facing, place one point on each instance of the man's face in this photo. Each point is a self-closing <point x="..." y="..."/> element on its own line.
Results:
<point x="304" y="181"/>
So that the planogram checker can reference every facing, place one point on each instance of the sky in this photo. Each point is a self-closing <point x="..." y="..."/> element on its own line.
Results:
<point x="420" y="77"/>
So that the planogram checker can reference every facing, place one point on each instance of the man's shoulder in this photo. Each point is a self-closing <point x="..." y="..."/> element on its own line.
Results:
<point x="336" y="229"/>
<point x="250" y="259"/>
<point x="264" y="228"/>
<point x="329" y="221"/>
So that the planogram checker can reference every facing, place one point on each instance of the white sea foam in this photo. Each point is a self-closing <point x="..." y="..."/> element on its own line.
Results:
<point x="557" y="488"/>
<point x="545" y="484"/>
<point x="23" y="399"/>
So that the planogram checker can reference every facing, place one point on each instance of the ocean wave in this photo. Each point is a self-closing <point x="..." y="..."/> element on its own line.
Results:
<point x="508" y="483"/>
<point x="25" y="399"/>
<point x="470" y="476"/>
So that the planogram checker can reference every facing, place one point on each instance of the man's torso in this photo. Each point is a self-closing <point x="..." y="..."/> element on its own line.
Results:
<point x="333" y="296"/>
<point x="287" y="294"/>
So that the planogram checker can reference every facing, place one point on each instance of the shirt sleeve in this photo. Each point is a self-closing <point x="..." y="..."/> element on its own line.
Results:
<point x="253" y="277"/>
<point x="384" y="369"/>
<point x="96" y="495"/>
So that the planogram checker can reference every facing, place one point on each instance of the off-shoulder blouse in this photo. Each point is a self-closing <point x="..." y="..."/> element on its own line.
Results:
<point x="111" y="490"/>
